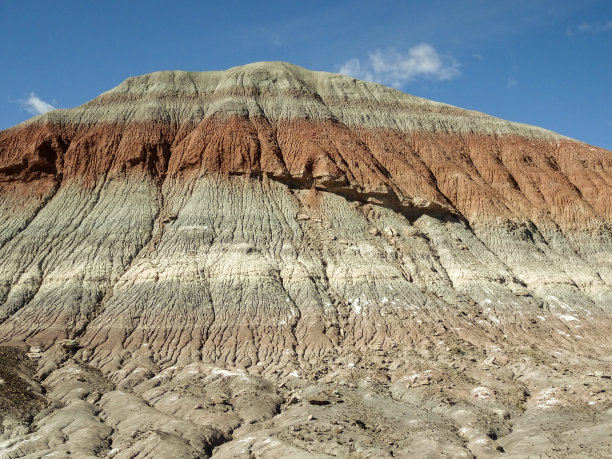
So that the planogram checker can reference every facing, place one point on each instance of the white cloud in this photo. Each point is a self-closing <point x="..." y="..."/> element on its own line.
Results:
<point x="354" y="69"/>
<point x="396" y="69"/>
<point x="586" y="27"/>
<point x="511" y="83"/>
<point x="35" y="105"/>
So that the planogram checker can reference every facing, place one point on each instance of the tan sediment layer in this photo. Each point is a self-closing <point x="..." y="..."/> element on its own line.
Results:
<point x="233" y="253"/>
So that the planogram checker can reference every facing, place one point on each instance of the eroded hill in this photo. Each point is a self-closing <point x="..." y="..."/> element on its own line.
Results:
<point x="270" y="261"/>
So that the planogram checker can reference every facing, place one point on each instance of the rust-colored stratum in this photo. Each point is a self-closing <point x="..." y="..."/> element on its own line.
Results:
<point x="273" y="262"/>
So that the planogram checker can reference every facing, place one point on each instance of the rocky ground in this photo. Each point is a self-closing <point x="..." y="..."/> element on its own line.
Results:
<point x="439" y="401"/>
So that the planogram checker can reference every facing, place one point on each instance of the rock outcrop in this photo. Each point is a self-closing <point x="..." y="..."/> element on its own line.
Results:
<point x="192" y="258"/>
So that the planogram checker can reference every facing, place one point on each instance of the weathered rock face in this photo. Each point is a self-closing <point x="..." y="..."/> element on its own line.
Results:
<point x="200" y="247"/>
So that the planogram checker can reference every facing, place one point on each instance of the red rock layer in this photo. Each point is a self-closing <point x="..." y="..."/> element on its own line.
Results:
<point x="480" y="176"/>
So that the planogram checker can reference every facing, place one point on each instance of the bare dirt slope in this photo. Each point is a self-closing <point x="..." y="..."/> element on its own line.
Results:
<point x="273" y="262"/>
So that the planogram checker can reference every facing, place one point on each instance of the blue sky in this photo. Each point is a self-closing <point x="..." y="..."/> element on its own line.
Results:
<point x="541" y="62"/>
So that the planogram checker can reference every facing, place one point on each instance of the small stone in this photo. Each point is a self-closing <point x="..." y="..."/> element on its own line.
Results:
<point x="68" y="344"/>
<point x="360" y="423"/>
<point x="390" y="232"/>
<point x="311" y="417"/>
<point x="374" y="231"/>
<point x="303" y="217"/>
<point x="169" y="218"/>
<point x="319" y="400"/>
<point x="489" y="361"/>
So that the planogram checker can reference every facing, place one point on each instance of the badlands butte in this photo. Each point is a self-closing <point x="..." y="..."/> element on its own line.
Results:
<point x="273" y="262"/>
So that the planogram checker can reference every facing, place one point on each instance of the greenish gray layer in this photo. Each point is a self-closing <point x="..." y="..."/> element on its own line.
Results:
<point x="279" y="91"/>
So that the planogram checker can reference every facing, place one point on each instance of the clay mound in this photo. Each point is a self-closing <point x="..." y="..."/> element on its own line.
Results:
<point x="203" y="261"/>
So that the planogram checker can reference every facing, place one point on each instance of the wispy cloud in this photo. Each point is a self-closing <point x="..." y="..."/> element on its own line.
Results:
<point x="35" y="105"/>
<point x="396" y="69"/>
<point x="511" y="83"/>
<point x="587" y="27"/>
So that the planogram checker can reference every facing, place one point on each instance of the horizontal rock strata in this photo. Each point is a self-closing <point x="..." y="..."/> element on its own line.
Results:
<point x="269" y="221"/>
